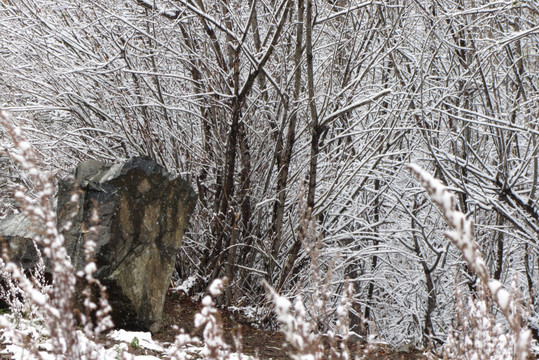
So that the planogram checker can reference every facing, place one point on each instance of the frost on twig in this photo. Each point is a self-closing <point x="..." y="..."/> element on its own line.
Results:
<point x="462" y="234"/>
<point x="462" y="237"/>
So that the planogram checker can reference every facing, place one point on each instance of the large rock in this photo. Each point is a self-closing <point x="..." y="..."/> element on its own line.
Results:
<point x="19" y="233"/>
<point x="143" y="214"/>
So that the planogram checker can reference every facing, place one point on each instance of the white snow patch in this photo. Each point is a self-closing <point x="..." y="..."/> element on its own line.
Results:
<point x="144" y="339"/>
<point x="18" y="353"/>
<point x="187" y="284"/>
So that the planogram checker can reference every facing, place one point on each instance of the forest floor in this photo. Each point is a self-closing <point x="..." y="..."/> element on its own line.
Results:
<point x="180" y="310"/>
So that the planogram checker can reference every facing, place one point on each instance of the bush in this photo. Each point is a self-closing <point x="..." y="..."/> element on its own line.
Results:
<point x="306" y="324"/>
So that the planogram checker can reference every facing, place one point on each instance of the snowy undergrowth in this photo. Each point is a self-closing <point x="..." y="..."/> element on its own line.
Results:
<point x="53" y="328"/>
<point x="119" y="350"/>
<point x="124" y="343"/>
<point x="476" y="334"/>
<point x="44" y="322"/>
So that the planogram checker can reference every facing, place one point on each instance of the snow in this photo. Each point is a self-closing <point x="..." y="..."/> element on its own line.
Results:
<point x="216" y="287"/>
<point x="144" y="339"/>
<point x="501" y="296"/>
<point x="187" y="284"/>
<point x="4" y="323"/>
<point x="125" y="337"/>
<point x="19" y="353"/>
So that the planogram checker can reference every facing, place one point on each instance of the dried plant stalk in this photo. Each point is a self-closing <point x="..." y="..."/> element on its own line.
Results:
<point x="462" y="237"/>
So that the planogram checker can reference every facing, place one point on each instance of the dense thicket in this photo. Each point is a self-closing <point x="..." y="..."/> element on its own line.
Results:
<point x="267" y="105"/>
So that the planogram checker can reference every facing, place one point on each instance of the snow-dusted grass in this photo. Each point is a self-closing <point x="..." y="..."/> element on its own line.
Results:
<point x="306" y="331"/>
<point x="120" y="350"/>
<point x="52" y="304"/>
<point x="487" y="338"/>
<point x="143" y="339"/>
<point x="39" y="345"/>
<point x="44" y="349"/>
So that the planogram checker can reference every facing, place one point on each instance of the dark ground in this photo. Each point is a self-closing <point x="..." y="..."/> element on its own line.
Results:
<point x="180" y="310"/>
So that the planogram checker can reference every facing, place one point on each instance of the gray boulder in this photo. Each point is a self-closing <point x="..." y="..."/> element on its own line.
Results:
<point x="143" y="214"/>
<point x="19" y="232"/>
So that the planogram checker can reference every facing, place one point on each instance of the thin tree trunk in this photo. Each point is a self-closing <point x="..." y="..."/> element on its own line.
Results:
<point x="284" y="165"/>
<point x="315" y="128"/>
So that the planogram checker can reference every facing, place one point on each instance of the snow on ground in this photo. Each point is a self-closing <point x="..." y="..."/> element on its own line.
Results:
<point x="142" y="339"/>
<point x="35" y="331"/>
<point x="185" y="285"/>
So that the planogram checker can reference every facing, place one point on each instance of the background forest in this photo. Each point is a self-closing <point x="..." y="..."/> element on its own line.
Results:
<point x="271" y="107"/>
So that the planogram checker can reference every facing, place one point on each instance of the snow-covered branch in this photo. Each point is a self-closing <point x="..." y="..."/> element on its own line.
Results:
<point x="355" y="105"/>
